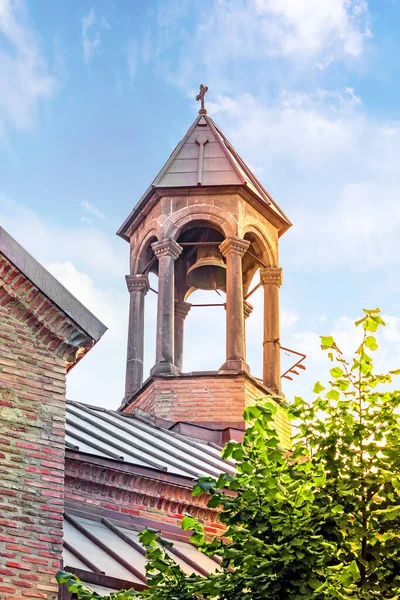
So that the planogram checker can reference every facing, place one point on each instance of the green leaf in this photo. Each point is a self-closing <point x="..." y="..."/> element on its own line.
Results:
<point x="320" y="479"/>
<point x="388" y="514"/>
<point x="63" y="576"/>
<point x="350" y="573"/>
<point x="197" y="491"/>
<point x="146" y="537"/>
<point x="214" y="501"/>
<point x="197" y="538"/>
<point x="237" y="454"/>
<point x="336" y="372"/>
<point x="333" y="395"/>
<point x="327" y="341"/>
<point x="318" y="387"/>
<point x="342" y="384"/>
<point x="245" y="467"/>
<point x="250" y="413"/>
<point x="360" y="321"/>
<point x="161" y="565"/>
<point x="188" y="523"/>
<point x="370" y="342"/>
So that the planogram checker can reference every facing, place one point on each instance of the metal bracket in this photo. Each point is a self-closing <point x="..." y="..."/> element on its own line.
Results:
<point x="297" y="365"/>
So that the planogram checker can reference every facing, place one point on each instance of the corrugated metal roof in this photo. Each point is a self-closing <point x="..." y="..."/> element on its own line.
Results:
<point x="131" y="439"/>
<point x="103" y="547"/>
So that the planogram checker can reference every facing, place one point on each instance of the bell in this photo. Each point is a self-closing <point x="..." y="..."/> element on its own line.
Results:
<point x="209" y="270"/>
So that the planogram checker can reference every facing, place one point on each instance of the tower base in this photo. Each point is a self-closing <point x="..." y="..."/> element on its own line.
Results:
<point x="205" y="398"/>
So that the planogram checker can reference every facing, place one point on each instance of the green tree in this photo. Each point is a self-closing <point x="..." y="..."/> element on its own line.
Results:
<point x="319" y="522"/>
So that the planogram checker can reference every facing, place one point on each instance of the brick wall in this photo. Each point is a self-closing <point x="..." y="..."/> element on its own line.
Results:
<point x="204" y="398"/>
<point x="32" y="397"/>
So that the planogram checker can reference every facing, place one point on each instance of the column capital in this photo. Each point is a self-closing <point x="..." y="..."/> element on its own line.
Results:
<point x="271" y="276"/>
<point x="167" y="247"/>
<point x="247" y="309"/>
<point x="234" y="245"/>
<point x="182" y="308"/>
<point x="137" y="283"/>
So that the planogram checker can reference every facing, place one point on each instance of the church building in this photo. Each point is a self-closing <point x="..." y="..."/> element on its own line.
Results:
<point x="78" y="482"/>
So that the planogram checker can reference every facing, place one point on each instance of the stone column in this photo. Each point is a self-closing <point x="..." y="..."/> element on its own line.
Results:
<point x="181" y="312"/>
<point x="271" y="279"/>
<point x="233" y="249"/>
<point x="247" y="310"/>
<point x="167" y="251"/>
<point x="138" y="286"/>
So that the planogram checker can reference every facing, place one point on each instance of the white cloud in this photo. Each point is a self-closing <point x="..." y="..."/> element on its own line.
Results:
<point x="92" y="28"/>
<point x="327" y="29"/>
<point x="359" y="230"/>
<point x="99" y="379"/>
<point x="92" y="250"/>
<point x="344" y="163"/>
<point x="90" y="210"/>
<point x="298" y="34"/>
<point x="288" y="318"/>
<point x="25" y="78"/>
<point x="109" y="305"/>
<point x="298" y="128"/>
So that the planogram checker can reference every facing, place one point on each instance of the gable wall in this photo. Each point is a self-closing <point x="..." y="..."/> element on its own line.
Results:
<point x="32" y="416"/>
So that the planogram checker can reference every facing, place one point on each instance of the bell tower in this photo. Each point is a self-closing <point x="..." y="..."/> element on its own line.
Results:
<point x="205" y="222"/>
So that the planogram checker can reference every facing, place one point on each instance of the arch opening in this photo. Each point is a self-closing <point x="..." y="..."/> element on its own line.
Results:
<point x="205" y="332"/>
<point x="146" y="256"/>
<point x="259" y="249"/>
<point x="204" y="346"/>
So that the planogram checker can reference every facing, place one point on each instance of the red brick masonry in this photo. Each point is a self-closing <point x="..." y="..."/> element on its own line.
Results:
<point x="204" y="397"/>
<point x="37" y="338"/>
<point x="32" y="397"/>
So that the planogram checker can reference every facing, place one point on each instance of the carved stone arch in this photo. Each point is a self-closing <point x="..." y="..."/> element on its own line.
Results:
<point x="210" y="215"/>
<point x="142" y="252"/>
<point x="261" y="247"/>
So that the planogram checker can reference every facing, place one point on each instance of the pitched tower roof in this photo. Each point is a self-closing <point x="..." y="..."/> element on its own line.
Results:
<point x="205" y="158"/>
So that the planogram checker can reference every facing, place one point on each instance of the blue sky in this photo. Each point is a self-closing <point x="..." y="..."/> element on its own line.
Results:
<point x="95" y="95"/>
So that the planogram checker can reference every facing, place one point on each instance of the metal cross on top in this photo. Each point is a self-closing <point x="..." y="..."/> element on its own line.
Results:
<point x="200" y="96"/>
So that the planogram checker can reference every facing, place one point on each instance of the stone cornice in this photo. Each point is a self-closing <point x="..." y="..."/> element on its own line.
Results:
<point x="234" y="245"/>
<point x="90" y="482"/>
<point x="137" y="283"/>
<point x="167" y="248"/>
<point x="271" y="276"/>
<point x="50" y="325"/>
<point x="247" y="309"/>
<point x="142" y="209"/>
<point x="182" y="309"/>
